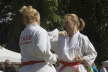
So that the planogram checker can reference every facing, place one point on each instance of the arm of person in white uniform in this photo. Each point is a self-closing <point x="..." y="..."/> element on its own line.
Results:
<point x="54" y="35"/>
<point x="89" y="52"/>
<point x="43" y="44"/>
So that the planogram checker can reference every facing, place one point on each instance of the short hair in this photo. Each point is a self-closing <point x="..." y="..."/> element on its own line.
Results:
<point x="30" y="13"/>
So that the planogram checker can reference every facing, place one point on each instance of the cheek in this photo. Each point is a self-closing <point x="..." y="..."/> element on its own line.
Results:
<point x="67" y="26"/>
<point x="72" y="26"/>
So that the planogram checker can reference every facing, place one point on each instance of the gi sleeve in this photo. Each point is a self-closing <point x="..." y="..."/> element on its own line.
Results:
<point x="54" y="36"/>
<point x="43" y="45"/>
<point x="89" y="52"/>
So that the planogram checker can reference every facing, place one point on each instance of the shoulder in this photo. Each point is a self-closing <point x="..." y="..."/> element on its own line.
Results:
<point x="83" y="37"/>
<point x="37" y="29"/>
<point x="34" y="31"/>
<point x="41" y="30"/>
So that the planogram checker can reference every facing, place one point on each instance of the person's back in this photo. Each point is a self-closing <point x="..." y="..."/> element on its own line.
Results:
<point x="28" y="43"/>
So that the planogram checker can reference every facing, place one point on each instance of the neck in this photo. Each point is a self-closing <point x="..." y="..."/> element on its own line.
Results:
<point x="71" y="33"/>
<point x="33" y="23"/>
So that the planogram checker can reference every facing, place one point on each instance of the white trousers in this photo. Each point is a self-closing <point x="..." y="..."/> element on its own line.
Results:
<point x="77" y="68"/>
<point x="39" y="67"/>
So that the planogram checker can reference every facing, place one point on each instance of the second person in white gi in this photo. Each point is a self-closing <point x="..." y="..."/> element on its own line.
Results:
<point x="74" y="49"/>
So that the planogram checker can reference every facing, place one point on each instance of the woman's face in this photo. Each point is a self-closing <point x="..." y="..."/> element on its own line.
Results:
<point x="70" y="25"/>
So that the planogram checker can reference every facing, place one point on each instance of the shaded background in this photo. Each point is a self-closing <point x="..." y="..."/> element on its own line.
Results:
<point x="94" y="12"/>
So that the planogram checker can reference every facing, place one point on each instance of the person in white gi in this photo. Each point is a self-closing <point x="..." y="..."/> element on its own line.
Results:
<point x="35" y="44"/>
<point x="75" y="51"/>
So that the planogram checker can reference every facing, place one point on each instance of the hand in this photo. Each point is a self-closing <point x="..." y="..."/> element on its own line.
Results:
<point x="79" y="59"/>
<point x="63" y="33"/>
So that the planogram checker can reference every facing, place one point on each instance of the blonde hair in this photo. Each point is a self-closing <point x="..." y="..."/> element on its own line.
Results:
<point x="79" y="21"/>
<point x="30" y="14"/>
<point x="82" y="24"/>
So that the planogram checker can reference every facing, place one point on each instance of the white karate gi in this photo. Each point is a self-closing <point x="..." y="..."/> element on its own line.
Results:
<point x="35" y="46"/>
<point x="68" y="48"/>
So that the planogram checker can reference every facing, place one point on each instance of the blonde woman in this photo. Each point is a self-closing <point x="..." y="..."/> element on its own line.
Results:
<point x="35" y="44"/>
<point x="74" y="49"/>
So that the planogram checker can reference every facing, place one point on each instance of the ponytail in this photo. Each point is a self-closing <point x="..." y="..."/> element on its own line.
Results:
<point x="81" y="24"/>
